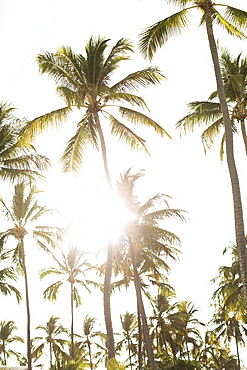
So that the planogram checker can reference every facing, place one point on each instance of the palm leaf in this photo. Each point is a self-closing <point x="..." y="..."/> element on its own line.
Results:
<point x="52" y="291"/>
<point x="155" y="36"/>
<point x="124" y="133"/>
<point x="144" y="78"/>
<point x="72" y="157"/>
<point x="45" y="122"/>
<point x="139" y="118"/>
<point x="236" y="16"/>
<point x="229" y="27"/>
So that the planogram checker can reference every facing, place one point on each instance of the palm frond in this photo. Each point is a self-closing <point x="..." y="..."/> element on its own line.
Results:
<point x="144" y="78"/>
<point x="125" y="97"/>
<point x="229" y="27"/>
<point x="238" y="17"/>
<point x="139" y="118"/>
<point x="45" y="122"/>
<point x="212" y="132"/>
<point x="124" y="133"/>
<point x="117" y="54"/>
<point x="72" y="157"/>
<point x="52" y="291"/>
<point x="155" y="36"/>
<point x="169" y="213"/>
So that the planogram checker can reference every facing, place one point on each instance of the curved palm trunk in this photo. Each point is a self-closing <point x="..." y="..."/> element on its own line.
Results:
<point x="110" y="252"/>
<point x="72" y="322"/>
<point x="141" y="307"/>
<point x="29" y="353"/>
<point x="237" y="202"/>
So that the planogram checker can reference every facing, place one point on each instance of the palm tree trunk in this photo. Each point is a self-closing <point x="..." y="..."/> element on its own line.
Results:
<point x="72" y="322"/>
<point x="110" y="251"/>
<point x="141" y="307"/>
<point x="50" y="348"/>
<point x="243" y="129"/>
<point x="4" y="353"/>
<point x="29" y="352"/>
<point x="139" y="339"/>
<point x="90" y="353"/>
<point x="237" y="202"/>
<point x="236" y="341"/>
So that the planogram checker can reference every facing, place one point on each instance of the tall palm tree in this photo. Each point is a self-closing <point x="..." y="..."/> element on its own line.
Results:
<point x="8" y="273"/>
<point x="144" y="243"/>
<point x="234" y="21"/>
<point x="18" y="158"/>
<point x="85" y="83"/>
<point x="208" y="113"/>
<point x="69" y="268"/>
<point x="23" y="213"/>
<point x="52" y="330"/>
<point x="6" y="337"/>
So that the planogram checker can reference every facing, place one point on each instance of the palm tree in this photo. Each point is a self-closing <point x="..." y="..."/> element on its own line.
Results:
<point x="84" y="82"/>
<point x="88" y="325"/>
<point x="52" y="329"/>
<point x="229" y="327"/>
<point x="144" y="243"/>
<point x="129" y="327"/>
<point x="8" y="273"/>
<point x="71" y="266"/>
<point x="208" y="113"/>
<point x="23" y="212"/>
<point x="233" y="21"/>
<point x="189" y="331"/>
<point x="6" y="330"/>
<point x="18" y="158"/>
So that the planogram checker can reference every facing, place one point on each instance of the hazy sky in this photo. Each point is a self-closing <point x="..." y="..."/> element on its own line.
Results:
<point x="197" y="183"/>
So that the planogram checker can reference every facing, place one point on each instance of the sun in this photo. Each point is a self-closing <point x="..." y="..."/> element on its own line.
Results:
<point x="94" y="216"/>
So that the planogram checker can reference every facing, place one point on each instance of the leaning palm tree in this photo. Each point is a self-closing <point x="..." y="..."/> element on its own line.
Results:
<point x="234" y="21"/>
<point x="69" y="268"/>
<point x="6" y="337"/>
<point x="209" y="114"/>
<point x="53" y="330"/>
<point x="18" y="158"/>
<point x="144" y="243"/>
<point x="23" y="213"/>
<point x="85" y="83"/>
<point x="8" y="273"/>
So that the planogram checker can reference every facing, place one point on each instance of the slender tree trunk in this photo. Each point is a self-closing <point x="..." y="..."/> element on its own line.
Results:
<point x="141" y="307"/>
<point x="29" y="352"/>
<point x="130" y="362"/>
<point x="243" y="129"/>
<point x="238" y="211"/>
<point x="110" y="253"/>
<point x="139" y="339"/>
<point x="72" y="321"/>
<point x="4" y="353"/>
<point x="50" y="348"/>
<point x="90" y="353"/>
<point x="236" y="341"/>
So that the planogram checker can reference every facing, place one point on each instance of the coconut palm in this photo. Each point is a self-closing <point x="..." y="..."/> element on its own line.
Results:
<point x="129" y="333"/>
<point x="85" y="83"/>
<point x="69" y="268"/>
<point x="234" y="21"/>
<point x="8" y="273"/>
<point x="53" y="330"/>
<point x="230" y="327"/>
<point x="208" y="113"/>
<point x="88" y="325"/>
<point x="23" y="213"/>
<point x="6" y="337"/>
<point x="18" y="158"/>
<point x="144" y="243"/>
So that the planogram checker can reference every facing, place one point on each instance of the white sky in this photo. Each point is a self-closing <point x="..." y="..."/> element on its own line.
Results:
<point x="197" y="183"/>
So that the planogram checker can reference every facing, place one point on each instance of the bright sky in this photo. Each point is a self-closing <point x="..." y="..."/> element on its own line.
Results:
<point x="198" y="184"/>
